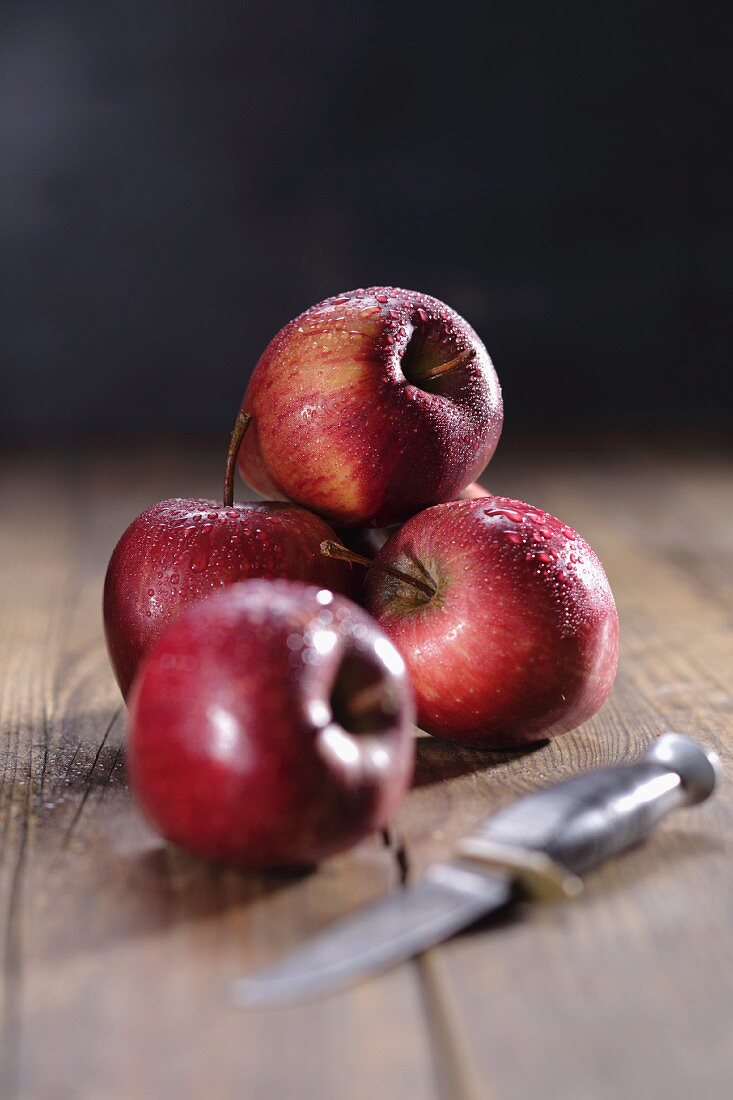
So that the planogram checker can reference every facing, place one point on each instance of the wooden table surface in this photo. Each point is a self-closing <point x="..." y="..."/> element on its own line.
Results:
<point x="117" y="948"/>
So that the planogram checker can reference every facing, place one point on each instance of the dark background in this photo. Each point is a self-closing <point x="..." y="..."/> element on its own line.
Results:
<point x="178" y="179"/>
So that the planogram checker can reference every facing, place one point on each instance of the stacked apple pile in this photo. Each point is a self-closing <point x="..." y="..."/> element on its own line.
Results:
<point x="271" y="718"/>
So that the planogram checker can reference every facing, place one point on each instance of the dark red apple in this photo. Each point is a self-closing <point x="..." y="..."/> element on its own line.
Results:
<point x="508" y="628"/>
<point x="270" y="726"/>
<point x="370" y="406"/>
<point x="182" y="550"/>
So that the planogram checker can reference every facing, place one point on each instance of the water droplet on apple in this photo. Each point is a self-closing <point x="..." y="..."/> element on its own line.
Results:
<point x="512" y="536"/>
<point x="381" y="298"/>
<point x="199" y="564"/>
<point x="515" y="517"/>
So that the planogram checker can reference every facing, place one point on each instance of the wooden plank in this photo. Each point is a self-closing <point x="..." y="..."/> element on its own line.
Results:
<point x="117" y="949"/>
<point x="627" y="992"/>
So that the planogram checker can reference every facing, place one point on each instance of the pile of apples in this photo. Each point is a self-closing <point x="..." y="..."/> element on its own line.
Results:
<point x="271" y="718"/>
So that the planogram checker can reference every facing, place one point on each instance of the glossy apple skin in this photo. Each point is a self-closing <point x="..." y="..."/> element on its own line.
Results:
<point x="180" y="551"/>
<point x="521" y="641"/>
<point x="339" y="424"/>
<point x="234" y="749"/>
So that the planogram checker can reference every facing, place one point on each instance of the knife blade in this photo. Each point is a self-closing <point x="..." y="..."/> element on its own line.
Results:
<point x="537" y="845"/>
<point x="376" y="937"/>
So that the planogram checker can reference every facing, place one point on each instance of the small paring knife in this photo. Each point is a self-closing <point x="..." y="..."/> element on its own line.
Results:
<point x="540" y="844"/>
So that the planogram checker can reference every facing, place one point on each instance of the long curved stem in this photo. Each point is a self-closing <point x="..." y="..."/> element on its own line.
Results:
<point x="337" y="550"/>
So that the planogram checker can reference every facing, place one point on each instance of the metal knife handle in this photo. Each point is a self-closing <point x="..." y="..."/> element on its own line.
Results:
<point x="586" y="820"/>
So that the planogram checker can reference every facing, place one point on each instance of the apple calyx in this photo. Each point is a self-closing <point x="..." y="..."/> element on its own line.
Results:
<point x="240" y="427"/>
<point x="337" y="550"/>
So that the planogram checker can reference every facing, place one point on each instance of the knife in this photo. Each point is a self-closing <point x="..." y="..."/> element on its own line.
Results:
<point x="535" y="848"/>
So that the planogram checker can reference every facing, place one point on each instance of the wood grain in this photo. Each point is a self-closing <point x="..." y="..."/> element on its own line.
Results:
<point x="117" y="948"/>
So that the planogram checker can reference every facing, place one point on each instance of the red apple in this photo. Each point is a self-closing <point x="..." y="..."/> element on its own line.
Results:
<point x="182" y="550"/>
<point x="270" y="726"/>
<point x="511" y="635"/>
<point x="370" y="406"/>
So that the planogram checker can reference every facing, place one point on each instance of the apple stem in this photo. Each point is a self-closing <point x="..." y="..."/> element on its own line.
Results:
<point x="337" y="550"/>
<point x="240" y="427"/>
<point x="459" y="360"/>
<point x="369" y="697"/>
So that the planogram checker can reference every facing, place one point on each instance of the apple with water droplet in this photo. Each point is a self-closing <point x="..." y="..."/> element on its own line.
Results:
<point x="504" y="616"/>
<point x="271" y="725"/>
<point x="182" y="550"/>
<point x="371" y="406"/>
